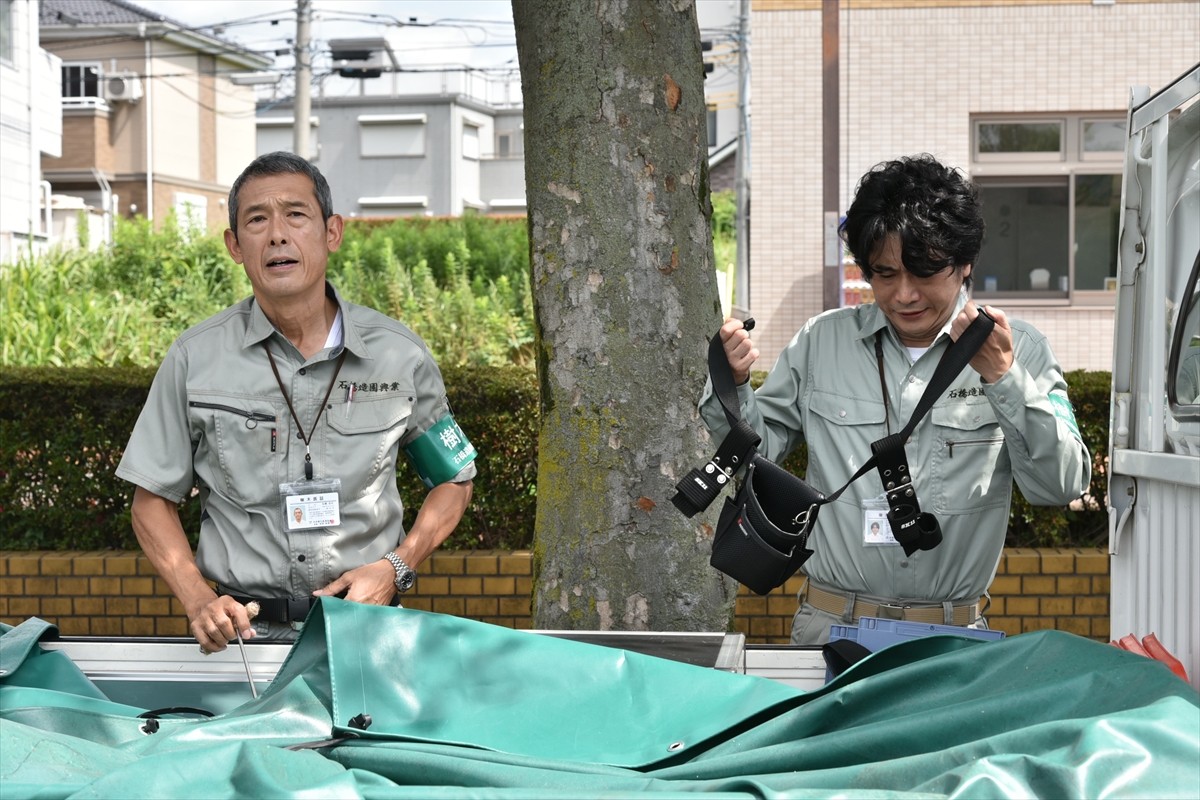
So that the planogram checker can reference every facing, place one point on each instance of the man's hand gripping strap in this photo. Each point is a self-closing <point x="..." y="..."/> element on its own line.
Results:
<point x="441" y="452"/>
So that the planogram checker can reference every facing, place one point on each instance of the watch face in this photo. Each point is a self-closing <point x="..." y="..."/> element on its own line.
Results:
<point x="405" y="580"/>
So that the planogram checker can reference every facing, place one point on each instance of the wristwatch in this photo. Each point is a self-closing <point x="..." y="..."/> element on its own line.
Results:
<point x="406" y="576"/>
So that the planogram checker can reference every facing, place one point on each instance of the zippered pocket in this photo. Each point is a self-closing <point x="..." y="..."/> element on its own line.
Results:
<point x="252" y="417"/>
<point x="950" y="445"/>
<point x="233" y="452"/>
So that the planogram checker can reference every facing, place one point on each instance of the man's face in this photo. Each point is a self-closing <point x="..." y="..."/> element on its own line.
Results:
<point x="918" y="308"/>
<point x="281" y="240"/>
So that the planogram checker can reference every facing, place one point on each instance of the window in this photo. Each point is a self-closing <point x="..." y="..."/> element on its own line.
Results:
<point x="470" y="141"/>
<point x="1183" y="366"/>
<point x="81" y="81"/>
<point x="508" y="141"/>
<point x="1102" y="137"/>
<point x="1026" y="138"/>
<point x="6" y="31"/>
<point x="711" y="119"/>
<point x="1051" y="194"/>
<point x="395" y="135"/>
<point x="276" y="133"/>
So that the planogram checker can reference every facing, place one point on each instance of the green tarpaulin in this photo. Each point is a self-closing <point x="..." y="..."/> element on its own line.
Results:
<point x="461" y="709"/>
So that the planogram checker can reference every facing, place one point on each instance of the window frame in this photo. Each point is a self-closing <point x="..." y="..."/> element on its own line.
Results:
<point x="392" y="121"/>
<point x="478" y="140"/>
<point x="1005" y="157"/>
<point x="1030" y="169"/>
<point x="8" y="41"/>
<point x="1189" y="306"/>
<point x="81" y="99"/>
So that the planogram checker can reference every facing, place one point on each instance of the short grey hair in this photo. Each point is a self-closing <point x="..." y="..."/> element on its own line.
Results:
<point x="281" y="162"/>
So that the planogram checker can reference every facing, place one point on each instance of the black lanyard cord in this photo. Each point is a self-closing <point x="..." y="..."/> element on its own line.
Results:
<point x="887" y="406"/>
<point x="308" y="467"/>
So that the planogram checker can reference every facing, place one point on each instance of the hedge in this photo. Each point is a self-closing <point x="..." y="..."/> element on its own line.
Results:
<point x="62" y="431"/>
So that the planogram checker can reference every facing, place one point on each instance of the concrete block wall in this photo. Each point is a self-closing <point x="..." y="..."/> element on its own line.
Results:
<point x="119" y="594"/>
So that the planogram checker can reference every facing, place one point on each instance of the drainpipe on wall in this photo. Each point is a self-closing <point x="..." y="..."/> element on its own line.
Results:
<point x="149" y="123"/>
<point x="47" y="211"/>
<point x="35" y="153"/>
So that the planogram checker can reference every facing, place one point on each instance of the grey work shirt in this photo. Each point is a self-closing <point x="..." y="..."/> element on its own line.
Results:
<point x="825" y="389"/>
<point x="215" y="417"/>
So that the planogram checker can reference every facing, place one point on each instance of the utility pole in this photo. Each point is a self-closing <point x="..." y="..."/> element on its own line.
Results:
<point x="830" y="154"/>
<point x="303" y="103"/>
<point x="742" y="161"/>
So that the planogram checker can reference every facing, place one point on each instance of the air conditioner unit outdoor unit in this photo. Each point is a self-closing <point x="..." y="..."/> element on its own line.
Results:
<point x="123" y="87"/>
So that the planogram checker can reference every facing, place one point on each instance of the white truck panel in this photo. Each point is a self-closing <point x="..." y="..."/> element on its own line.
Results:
<point x="1154" y="448"/>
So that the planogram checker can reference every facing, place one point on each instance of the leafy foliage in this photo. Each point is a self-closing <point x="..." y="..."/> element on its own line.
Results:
<point x="462" y="284"/>
<point x="62" y="432"/>
<point x="58" y="456"/>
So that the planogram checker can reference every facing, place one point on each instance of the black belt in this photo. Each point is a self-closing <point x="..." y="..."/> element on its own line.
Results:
<point x="278" y="609"/>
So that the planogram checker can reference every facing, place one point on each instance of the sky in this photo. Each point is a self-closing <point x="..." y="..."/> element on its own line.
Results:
<point x="425" y="36"/>
<point x="422" y="33"/>
<point x="477" y="33"/>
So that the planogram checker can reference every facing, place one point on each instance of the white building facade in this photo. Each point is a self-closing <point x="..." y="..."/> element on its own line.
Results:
<point x="1027" y="98"/>
<point x="30" y="127"/>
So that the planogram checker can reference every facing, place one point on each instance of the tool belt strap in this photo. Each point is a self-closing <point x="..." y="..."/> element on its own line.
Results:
<point x="278" y="609"/>
<point x="834" y="602"/>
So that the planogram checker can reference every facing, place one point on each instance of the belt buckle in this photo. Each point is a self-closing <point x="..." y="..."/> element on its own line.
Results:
<point x="886" y="611"/>
<point x="298" y="608"/>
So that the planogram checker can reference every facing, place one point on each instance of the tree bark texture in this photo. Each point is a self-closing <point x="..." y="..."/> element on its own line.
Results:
<point x="625" y="296"/>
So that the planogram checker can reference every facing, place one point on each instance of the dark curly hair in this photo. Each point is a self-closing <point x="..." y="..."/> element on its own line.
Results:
<point x="933" y="208"/>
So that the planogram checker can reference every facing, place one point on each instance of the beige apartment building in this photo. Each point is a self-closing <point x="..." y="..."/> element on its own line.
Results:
<point x="153" y="120"/>
<point x="1028" y="98"/>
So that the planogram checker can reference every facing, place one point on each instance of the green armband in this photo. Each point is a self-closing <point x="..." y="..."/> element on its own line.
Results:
<point x="441" y="452"/>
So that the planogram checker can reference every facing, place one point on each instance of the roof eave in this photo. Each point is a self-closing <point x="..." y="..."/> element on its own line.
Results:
<point x="168" y="32"/>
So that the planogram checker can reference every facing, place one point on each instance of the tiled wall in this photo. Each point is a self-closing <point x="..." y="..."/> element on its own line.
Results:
<point x="911" y="75"/>
<point x="118" y="593"/>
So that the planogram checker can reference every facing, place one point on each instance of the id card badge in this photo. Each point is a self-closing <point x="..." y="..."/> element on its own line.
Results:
<point x="311" y="504"/>
<point x="877" y="531"/>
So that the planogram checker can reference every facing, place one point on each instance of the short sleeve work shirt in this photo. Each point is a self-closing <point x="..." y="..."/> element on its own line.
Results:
<point x="216" y="418"/>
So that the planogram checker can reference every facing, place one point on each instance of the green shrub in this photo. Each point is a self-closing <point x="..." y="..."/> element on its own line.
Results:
<point x="62" y="432"/>
<point x="462" y="284"/>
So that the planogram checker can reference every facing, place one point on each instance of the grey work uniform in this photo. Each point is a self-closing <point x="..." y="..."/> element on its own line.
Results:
<point x="825" y="389"/>
<point x="216" y="417"/>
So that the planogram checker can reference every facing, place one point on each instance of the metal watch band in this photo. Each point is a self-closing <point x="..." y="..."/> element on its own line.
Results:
<point x="406" y="576"/>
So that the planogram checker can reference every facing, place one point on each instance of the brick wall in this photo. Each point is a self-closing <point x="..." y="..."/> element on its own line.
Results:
<point x="119" y="594"/>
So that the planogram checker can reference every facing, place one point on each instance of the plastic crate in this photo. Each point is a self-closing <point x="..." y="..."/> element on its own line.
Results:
<point x="875" y="633"/>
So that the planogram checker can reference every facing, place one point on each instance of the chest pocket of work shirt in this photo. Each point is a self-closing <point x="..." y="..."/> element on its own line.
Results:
<point x="970" y="465"/>
<point x="238" y="445"/>
<point x="363" y="438"/>
<point x="851" y="424"/>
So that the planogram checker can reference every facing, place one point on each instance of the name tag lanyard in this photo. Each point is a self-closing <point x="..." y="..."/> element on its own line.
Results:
<point x="887" y="406"/>
<point x="307" y="437"/>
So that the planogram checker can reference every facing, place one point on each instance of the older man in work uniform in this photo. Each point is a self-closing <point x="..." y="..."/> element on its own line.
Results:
<point x="852" y="376"/>
<point x="289" y="410"/>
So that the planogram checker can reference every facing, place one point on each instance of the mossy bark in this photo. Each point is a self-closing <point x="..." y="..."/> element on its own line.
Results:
<point x="625" y="298"/>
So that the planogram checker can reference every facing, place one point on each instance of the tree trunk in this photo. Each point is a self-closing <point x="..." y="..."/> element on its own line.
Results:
<point x="616" y="180"/>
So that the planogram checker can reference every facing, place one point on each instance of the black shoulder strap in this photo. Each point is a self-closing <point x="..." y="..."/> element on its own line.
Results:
<point x="695" y="493"/>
